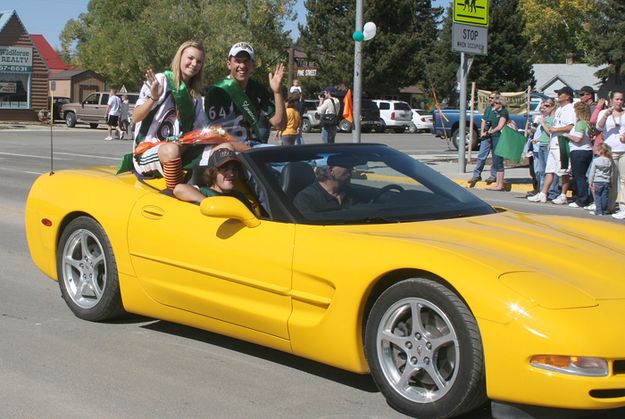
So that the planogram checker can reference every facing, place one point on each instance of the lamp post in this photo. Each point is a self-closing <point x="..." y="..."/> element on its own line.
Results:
<point x="360" y="34"/>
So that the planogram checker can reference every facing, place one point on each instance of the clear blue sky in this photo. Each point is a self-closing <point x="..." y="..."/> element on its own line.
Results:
<point x="48" y="17"/>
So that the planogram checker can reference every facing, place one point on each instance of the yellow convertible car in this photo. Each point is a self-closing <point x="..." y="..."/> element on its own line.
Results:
<point x="446" y="301"/>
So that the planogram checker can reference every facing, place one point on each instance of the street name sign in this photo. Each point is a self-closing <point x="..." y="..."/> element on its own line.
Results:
<point x="469" y="39"/>
<point x="471" y="12"/>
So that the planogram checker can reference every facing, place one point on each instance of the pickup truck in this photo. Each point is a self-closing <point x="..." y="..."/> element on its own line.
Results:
<point x="92" y="110"/>
<point x="449" y="127"/>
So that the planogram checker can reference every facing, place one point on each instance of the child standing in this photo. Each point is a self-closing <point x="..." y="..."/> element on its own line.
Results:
<point x="599" y="178"/>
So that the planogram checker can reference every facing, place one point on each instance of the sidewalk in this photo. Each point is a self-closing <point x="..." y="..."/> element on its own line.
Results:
<point x="517" y="177"/>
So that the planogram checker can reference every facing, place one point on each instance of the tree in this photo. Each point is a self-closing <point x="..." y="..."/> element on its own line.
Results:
<point x="396" y="57"/>
<point x="556" y="28"/>
<point x="508" y="65"/>
<point x="443" y="64"/>
<point x="121" y="38"/>
<point x="605" y="32"/>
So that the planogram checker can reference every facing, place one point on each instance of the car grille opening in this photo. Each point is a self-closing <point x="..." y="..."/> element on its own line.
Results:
<point x="619" y="367"/>
<point x="608" y="394"/>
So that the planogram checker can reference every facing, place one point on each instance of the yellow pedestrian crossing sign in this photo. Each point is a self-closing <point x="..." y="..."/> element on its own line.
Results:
<point x="472" y="12"/>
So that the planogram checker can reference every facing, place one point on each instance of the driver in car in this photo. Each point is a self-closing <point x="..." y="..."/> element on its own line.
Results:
<point x="332" y="190"/>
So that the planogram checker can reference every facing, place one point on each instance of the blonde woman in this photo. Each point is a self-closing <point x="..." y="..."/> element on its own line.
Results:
<point x="170" y="104"/>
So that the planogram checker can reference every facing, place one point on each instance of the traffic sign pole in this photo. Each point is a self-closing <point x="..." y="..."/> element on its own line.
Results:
<point x="462" y="164"/>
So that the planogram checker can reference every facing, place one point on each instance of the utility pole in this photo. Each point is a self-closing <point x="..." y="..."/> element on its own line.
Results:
<point x="357" y="92"/>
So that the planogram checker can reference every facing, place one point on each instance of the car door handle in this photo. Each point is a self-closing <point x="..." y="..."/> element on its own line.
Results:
<point x="152" y="212"/>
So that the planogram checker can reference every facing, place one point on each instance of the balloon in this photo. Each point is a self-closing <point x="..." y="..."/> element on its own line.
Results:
<point x="369" y="30"/>
<point x="358" y="36"/>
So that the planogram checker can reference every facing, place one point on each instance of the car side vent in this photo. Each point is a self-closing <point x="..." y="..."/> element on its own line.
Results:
<point x="619" y="367"/>
<point x="608" y="394"/>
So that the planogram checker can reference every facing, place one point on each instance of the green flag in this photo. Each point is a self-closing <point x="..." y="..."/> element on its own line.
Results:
<point x="510" y="145"/>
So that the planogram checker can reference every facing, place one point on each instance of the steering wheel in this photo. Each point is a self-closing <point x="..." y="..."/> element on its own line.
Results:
<point x="385" y="189"/>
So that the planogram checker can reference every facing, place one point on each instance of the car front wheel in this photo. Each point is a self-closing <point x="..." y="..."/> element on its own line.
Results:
<point x="345" y="126"/>
<point x="306" y="126"/>
<point x="87" y="271"/>
<point x="424" y="350"/>
<point x="70" y="119"/>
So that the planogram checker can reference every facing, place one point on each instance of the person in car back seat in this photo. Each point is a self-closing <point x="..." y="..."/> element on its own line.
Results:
<point x="219" y="178"/>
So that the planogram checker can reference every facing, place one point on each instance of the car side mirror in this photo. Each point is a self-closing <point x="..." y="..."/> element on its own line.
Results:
<point x="230" y="208"/>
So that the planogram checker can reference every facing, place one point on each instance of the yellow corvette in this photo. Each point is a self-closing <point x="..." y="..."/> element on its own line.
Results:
<point x="445" y="300"/>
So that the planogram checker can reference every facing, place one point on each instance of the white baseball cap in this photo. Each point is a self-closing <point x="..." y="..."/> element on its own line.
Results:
<point x="242" y="47"/>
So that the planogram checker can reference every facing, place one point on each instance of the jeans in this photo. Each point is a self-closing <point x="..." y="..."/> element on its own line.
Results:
<point x="540" y="162"/>
<point x="580" y="162"/>
<point x="602" y="190"/>
<point x="328" y="133"/>
<point x="486" y="146"/>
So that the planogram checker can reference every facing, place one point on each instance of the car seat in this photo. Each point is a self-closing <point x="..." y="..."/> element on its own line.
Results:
<point x="296" y="176"/>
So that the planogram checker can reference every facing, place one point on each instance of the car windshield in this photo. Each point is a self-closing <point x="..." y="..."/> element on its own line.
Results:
<point x="377" y="185"/>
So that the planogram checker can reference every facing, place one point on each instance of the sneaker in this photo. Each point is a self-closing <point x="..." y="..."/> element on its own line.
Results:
<point x="473" y="181"/>
<point x="560" y="200"/>
<point x="573" y="205"/>
<point x="490" y="180"/>
<point x="590" y="207"/>
<point x="539" y="197"/>
<point x="619" y="215"/>
<point x="109" y="138"/>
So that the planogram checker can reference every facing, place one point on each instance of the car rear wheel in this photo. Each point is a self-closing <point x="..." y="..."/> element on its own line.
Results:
<point x="455" y="138"/>
<point x="87" y="271"/>
<point x="412" y="128"/>
<point x="424" y="350"/>
<point x="70" y="119"/>
<point x="306" y="126"/>
<point x="345" y="126"/>
<point x="93" y="126"/>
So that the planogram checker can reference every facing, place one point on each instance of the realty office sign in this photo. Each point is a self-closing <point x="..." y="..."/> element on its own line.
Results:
<point x="16" y="60"/>
<point x="469" y="39"/>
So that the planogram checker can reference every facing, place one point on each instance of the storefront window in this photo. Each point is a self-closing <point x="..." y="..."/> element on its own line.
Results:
<point x="15" y="77"/>
<point x="14" y="90"/>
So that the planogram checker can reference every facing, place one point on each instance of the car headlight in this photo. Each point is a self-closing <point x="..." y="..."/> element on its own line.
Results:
<point x="586" y="366"/>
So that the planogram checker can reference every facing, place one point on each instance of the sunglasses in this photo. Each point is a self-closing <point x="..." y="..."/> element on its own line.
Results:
<point x="546" y="105"/>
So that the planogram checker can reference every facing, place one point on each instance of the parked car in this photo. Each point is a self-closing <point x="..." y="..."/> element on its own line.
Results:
<point x="370" y="117"/>
<point x="421" y="121"/>
<point x="396" y="114"/>
<point x="446" y="123"/>
<point x="92" y="110"/>
<point x="444" y="299"/>
<point x="59" y="101"/>
<point x="310" y="119"/>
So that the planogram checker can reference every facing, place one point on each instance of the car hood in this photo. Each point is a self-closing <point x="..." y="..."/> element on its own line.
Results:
<point x="587" y="255"/>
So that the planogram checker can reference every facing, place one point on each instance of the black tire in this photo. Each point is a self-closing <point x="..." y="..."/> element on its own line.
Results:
<point x="93" y="126"/>
<point x="87" y="271"/>
<point x="399" y="130"/>
<point x="345" y="126"/>
<point x="445" y="355"/>
<point x="70" y="119"/>
<point x="454" y="138"/>
<point x="306" y="125"/>
<point x="412" y="128"/>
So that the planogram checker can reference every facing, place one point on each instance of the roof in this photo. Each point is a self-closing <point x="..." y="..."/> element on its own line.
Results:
<point x="49" y="55"/>
<point x="573" y="75"/>
<point x="6" y="15"/>
<point x="66" y="74"/>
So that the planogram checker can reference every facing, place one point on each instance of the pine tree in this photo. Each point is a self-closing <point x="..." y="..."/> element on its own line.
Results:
<point x="606" y="31"/>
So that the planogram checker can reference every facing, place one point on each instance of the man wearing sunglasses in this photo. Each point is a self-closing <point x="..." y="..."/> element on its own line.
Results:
<point x="486" y="147"/>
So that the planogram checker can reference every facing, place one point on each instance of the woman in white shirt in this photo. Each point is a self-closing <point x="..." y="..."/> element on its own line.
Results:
<point x="610" y="121"/>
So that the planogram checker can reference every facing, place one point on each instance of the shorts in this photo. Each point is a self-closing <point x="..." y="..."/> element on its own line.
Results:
<point x="149" y="163"/>
<point x="554" y="164"/>
<point x="112" y="120"/>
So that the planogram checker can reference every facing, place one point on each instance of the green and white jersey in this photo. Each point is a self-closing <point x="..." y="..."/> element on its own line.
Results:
<point x="221" y="110"/>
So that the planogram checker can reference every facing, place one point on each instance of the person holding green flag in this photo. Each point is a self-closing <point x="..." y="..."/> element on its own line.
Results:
<point x="169" y="104"/>
<point x="243" y="107"/>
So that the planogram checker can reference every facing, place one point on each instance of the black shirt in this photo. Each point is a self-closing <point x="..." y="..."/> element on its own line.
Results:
<point x="315" y="198"/>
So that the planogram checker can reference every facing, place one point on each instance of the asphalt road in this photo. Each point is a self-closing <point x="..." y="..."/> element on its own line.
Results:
<point x="53" y="365"/>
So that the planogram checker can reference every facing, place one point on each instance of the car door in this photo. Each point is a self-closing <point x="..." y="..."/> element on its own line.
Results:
<point x="212" y="266"/>
<point x="90" y="107"/>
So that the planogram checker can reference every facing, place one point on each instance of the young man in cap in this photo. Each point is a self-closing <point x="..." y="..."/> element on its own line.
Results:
<point x="587" y="95"/>
<point x="219" y="178"/>
<point x="243" y="107"/>
<point x="558" y="158"/>
<point x="328" y="104"/>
